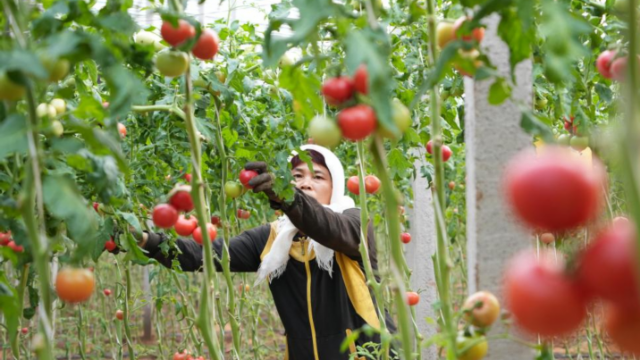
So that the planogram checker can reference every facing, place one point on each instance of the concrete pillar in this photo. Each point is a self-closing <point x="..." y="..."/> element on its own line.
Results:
<point x="418" y="255"/>
<point x="493" y="135"/>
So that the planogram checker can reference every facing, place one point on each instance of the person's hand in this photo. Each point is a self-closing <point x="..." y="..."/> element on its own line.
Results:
<point x="263" y="182"/>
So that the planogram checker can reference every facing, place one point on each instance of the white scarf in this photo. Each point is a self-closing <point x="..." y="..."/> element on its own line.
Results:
<point x="275" y="262"/>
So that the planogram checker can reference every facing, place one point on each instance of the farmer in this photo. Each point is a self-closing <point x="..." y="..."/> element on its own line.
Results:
<point x="310" y="257"/>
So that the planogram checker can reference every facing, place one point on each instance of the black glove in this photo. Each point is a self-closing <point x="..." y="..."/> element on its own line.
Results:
<point x="263" y="182"/>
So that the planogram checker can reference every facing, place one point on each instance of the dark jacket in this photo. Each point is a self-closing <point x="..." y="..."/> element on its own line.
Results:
<point x="317" y="310"/>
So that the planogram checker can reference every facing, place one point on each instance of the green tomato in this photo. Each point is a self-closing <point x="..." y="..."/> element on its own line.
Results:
<point x="285" y="60"/>
<point x="172" y="63"/>
<point x="60" y="105"/>
<point x="476" y="352"/>
<point x="232" y="189"/>
<point x="401" y="117"/>
<point x="200" y="82"/>
<point x="46" y="110"/>
<point x="579" y="142"/>
<point x="10" y="90"/>
<point x="56" y="128"/>
<point x="542" y="103"/>
<point x="148" y="38"/>
<point x="324" y="131"/>
<point x="564" y="140"/>
<point x="57" y="68"/>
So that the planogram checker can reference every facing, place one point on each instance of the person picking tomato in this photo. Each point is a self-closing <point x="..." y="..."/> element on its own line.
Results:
<point x="310" y="257"/>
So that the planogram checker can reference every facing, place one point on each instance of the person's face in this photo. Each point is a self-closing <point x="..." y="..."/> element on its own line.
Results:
<point x="316" y="184"/>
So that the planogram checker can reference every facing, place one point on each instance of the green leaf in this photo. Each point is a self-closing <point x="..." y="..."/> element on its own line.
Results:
<point x="126" y="90"/>
<point x="63" y="200"/>
<point x="9" y="306"/>
<point x="132" y="220"/>
<point x="516" y="30"/>
<point x="499" y="91"/>
<point x="24" y="61"/>
<point x="604" y="92"/>
<point x="13" y="135"/>
<point x="535" y="127"/>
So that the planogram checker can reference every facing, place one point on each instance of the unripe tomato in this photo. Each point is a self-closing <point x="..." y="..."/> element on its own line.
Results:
<point x="445" y="33"/>
<point x="211" y="229"/>
<point x="45" y="110"/>
<point x="60" y="105"/>
<point x="361" y="80"/>
<point x="337" y="90"/>
<point x="579" y="143"/>
<point x="181" y="200"/>
<point x="371" y="184"/>
<point x="10" y="90"/>
<point x="482" y="309"/>
<point x="246" y="176"/>
<point x="564" y="140"/>
<point x="477" y="34"/>
<point x="119" y="314"/>
<point x="607" y="267"/>
<point x="107" y="292"/>
<point x="401" y="117"/>
<point x="57" y="68"/>
<point x="75" y="285"/>
<point x="476" y="352"/>
<point x="554" y="191"/>
<point x="110" y="245"/>
<point x="164" y="216"/>
<point x="405" y="237"/>
<point x="122" y="130"/>
<point x="623" y="326"/>
<point x="184" y="226"/>
<point x="232" y="189"/>
<point x="215" y="220"/>
<point x="547" y="238"/>
<point x="471" y="56"/>
<point x="56" y="128"/>
<point x="353" y="185"/>
<point x="357" y="122"/>
<point x="177" y="35"/>
<point x="452" y="185"/>
<point x="603" y="63"/>
<point x="207" y="46"/>
<point x="541" y="297"/>
<point x="147" y="38"/>
<point x="172" y="63"/>
<point x="324" y="131"/>
<point x="412" y="298"/>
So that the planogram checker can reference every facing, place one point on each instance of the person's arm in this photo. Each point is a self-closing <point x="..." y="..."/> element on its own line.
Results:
<point x="340" y="232"/>
<point x="244" y="250"/>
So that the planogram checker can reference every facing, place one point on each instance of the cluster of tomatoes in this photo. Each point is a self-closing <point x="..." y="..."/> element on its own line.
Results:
<point x="7" y="240"/>
<point x="168" y="216"/>
<point x="371" y="184"/>
<point x="555" y="191"/>
<point x="233" y="189"/>
<point x="447" y="31"/>
<point x="574" y="138"/>
<point x="172" y="62"/>
<point x="481" y="310"/>
<point x="612" y="65"/>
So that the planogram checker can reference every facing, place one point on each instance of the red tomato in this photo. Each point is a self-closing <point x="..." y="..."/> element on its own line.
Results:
<point x="182" y="201"/>
<point x="246" y="176"/>
<point x="119" y="314"/>
<point x="371" y="184"/>
<point x="207" y="46"/>
<point x="96" y="207"/>
<point x="197" y="233"/>
<point x="405" y="237"/>
<point x="554" y="191"/>
<point x="176" y="36"/>
<point x="15" y="247"/>
<point x="5" y="238"/>
<point x="482" y="308"/>
<point x="337" y="90"/>
<point x="412" y="298"/>
<point x="215" y="220"/>
<point x="618" y="68"/>
<point x="621" y="221"/>
<point x="361" y="80"/>
<point x="24" y="330"/>
<point x="110" y="245"/>
<point x="122" y="130"/>
<point x="75" y="285"/>
<point x="607" y="266"/>
<point x="452" y="185"/>
<point x="541" y="297"/>
<point x="623" y="326"/>
<point x="165" y="216"/>
<point x="547" y="238"/>
<point x="243" y="214"/>
<point x="181" y="355"/>
<point x="105" y="105"/>
<point x="477" y="34"/>
<point x="603" y="63"/>
<point x="446" y="153"/>
<point x="184" y="226"/>
<point x="187" y="177"/>
<point x="353" y="185"/>
<point x="357" y="122"/>
<point x="107" y="292"/>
